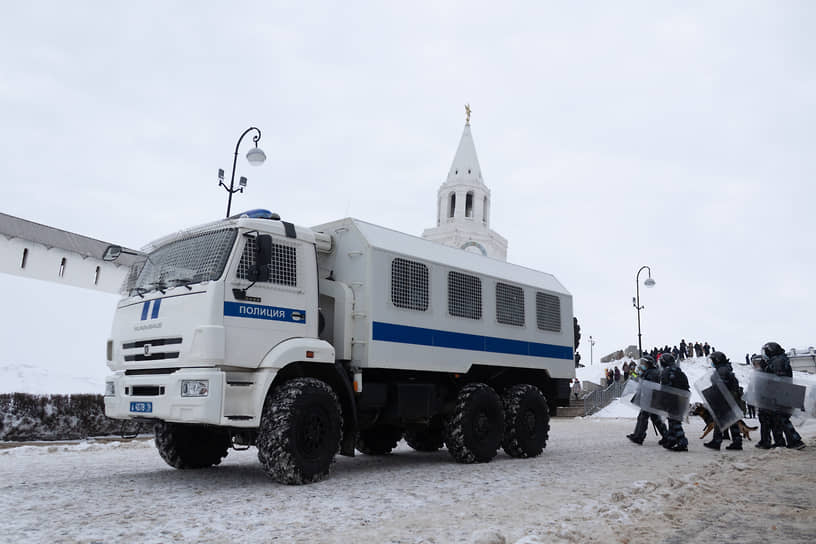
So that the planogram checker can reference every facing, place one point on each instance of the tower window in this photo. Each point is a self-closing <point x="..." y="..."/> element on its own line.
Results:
<point x="452" y="207"/>
<point x="484" y="211"/>
<point x="469" y="204"/>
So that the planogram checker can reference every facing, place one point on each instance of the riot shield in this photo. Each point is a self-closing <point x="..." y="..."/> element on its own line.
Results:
<point x="631" y="387"/>
<point x="663" y="400"/>
<point x="775" y="393"/>
<point x="719" y="401"/>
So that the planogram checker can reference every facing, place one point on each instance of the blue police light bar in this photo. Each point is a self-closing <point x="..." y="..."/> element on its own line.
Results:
<point x="256" y="214"/>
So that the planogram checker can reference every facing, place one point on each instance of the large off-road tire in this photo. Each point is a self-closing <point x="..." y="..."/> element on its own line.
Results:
<point x="526" y="421"/>
<point x="300" y="431"/>
<point x="191" y="446"/>
<point x="475" y="430"/>
<point x="378" y="440"/>
<point x="425" y="439"/>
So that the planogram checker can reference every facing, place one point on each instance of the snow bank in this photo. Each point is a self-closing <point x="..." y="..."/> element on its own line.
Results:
<point x="29" y="378"/>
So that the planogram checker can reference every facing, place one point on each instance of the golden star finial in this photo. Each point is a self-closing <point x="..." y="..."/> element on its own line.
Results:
<point x="467" y="114"/>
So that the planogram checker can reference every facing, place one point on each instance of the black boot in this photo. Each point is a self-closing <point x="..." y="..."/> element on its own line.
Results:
<point x="634" y="439"/>
<point x="713" y="445"/>
<point x="733" y="446"/>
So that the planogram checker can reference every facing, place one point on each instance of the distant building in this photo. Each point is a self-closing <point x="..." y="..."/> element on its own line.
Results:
<point x="463" y="206"/>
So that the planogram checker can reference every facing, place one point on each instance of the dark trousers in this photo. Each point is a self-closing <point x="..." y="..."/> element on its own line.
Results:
<point x="643" y="425"/>
<point x="769" y="424"/>
<point x="783" y="423"/>
<point x="733" y="430"/>
<point x="676" y="436"/>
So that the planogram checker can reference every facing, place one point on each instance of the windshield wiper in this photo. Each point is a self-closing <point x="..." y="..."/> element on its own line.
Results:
<point x="159" y="285"/>
<point x="183" y="281"/>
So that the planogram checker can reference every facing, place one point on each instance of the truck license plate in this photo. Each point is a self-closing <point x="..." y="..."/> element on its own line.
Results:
<point x="141" y="407"/>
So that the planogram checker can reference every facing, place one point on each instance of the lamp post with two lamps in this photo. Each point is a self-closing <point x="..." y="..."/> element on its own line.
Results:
<point x="648" y="282"/>
<point x="255" y="156"/>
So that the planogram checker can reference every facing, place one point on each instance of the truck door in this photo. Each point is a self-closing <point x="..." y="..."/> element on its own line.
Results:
<point x="267" y="296"/>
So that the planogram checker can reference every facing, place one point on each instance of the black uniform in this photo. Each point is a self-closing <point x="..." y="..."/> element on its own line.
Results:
<point x="779" y="364"/>
<point x="674" y="377"/>
<point x="651" y="374"/>
<point x="726" y="374"/>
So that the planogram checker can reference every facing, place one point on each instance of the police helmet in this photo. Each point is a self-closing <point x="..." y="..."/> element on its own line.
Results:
<point x="772" y="348"/>
<point x="667" y="359"/>
<point x="647" y="361"/>
<point x="718" y="358"/>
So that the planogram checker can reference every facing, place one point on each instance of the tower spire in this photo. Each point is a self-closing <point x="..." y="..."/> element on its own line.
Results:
<point x="463" y="204"/>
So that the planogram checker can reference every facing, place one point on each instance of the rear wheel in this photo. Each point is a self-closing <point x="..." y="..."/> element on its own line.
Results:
<point x="191" y="446"/>
<point x="474" y="431"/>
<point x="527" y="421"/>
<point x="300" y="431"/>
<point x="378" y="440"/>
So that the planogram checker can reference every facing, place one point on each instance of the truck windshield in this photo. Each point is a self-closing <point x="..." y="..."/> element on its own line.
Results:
<point x="192" y="259"/>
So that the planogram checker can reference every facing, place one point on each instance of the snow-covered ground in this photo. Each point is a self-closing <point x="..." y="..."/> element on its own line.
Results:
<point x="591" y="485"/>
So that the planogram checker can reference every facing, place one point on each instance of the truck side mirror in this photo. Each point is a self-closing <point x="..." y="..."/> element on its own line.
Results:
<point x="263" y="258"/>
<point x="112" y="253"/>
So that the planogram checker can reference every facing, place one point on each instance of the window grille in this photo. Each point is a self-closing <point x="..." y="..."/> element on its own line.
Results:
<point x="548" y="312"/>
<point x="409" y="284"/>
<point x="195" y="258"/>
<point x="509" y="304"/>
<point x="282" y="270"/>
<point x="464" y="295"/>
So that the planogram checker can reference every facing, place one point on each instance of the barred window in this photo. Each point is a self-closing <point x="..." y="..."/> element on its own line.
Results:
<point x="409" y="284"/>
<point x="464" y="295"/>
<point x="509" y="304"/>
<point x="283" y="268"/>
<point x="548" y="312"/>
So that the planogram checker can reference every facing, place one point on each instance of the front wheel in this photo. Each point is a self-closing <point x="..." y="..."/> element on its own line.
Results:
<point x="474" y="431"/>
<point x="191" y="446"/>
<point x="300" y="431"/>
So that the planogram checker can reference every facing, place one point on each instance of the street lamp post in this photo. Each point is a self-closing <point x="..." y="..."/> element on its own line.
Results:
<point x="255" y="156"/>
<point x="591" y="345"/>
<point x="648" y="282"/>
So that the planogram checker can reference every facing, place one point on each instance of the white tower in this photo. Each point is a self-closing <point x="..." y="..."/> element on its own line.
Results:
<point x="463" y="208"/>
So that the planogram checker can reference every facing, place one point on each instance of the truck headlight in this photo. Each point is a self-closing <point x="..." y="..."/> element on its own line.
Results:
<point x="110" y="389"/>
<point x="195" y="388"/>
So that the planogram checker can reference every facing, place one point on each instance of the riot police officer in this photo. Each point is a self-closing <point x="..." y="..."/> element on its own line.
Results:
<point x="726" y="374"/>
<point x="647" y="369"/>
<point x="779" y="364"/>
<point x="674" y="377"/>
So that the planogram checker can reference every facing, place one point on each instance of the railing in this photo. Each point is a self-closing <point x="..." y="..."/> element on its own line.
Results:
<point x="600" y="398"/>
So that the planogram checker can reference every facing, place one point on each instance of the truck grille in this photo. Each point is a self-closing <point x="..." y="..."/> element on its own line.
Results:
<point x="150" y="350"/>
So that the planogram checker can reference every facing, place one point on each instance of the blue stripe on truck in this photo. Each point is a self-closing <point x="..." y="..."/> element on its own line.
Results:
<point x="404" y="334"/>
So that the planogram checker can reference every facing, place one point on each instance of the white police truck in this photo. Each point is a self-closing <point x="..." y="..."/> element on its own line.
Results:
<point x="309" y="342"/>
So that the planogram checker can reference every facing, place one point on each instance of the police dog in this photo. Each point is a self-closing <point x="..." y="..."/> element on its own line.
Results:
<point x="699" y="409"/>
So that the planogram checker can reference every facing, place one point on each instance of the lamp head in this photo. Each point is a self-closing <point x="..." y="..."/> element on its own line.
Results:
<point x="649" y="282"/>
<point x="256" y="156"/>
<point x="242" y="182"/>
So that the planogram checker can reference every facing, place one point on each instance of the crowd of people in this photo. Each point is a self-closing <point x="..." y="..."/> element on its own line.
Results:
<point x="684" y="350"/>
<point x="774" y="425"/>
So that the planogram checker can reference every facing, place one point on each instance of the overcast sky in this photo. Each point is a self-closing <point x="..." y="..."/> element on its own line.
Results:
<point x="612" y="135"/>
